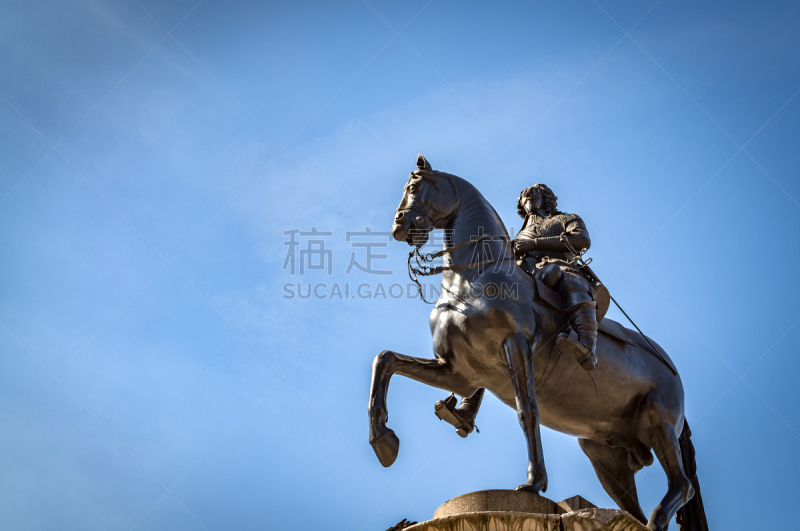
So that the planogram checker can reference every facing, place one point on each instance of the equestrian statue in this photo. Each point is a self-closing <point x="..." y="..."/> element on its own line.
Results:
<point x="543" y="348"/>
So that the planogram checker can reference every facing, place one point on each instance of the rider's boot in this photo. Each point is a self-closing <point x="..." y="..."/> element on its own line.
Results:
<point x="462" y="417"/>
<point x="580" y="342"/>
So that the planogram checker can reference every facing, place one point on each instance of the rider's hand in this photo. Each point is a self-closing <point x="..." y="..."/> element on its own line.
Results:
<point x="522" y="247"/>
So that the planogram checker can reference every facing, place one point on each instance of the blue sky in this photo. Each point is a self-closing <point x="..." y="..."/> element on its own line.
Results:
<point x="153" y="376"/>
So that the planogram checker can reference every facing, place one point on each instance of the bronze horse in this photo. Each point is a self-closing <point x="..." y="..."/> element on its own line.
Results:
<point x="630" y="405"/>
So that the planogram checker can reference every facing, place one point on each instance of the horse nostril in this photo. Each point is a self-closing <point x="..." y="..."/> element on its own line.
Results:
<point x="399" y="216"/>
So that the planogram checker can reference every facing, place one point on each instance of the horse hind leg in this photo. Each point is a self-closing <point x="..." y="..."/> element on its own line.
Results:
<point x="613" y="468"/>
<point x="667" y="448"/>
<point x="433" y="372"/>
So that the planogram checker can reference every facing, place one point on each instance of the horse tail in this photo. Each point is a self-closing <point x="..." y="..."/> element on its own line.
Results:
<point x="692" y="516"/>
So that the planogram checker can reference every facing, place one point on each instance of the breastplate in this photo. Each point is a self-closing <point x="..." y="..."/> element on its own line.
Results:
<point x="540" y="227"/>
<point x="549" y="226"/>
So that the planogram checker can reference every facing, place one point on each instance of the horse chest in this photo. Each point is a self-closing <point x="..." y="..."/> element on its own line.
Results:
<point x="470" y="340"/>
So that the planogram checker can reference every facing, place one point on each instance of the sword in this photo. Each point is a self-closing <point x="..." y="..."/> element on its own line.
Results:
<point x="578" y="259"/>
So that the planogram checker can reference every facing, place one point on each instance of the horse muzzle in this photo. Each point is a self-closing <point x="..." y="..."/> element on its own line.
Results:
<point x="411" y="227"/>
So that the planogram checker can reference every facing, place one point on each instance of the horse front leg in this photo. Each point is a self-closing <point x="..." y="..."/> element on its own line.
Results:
<point x="520" y="364"/>
<point x="433" y="372"/>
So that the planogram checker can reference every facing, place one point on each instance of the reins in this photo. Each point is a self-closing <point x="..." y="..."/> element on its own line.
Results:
<point x="425" y="270"/>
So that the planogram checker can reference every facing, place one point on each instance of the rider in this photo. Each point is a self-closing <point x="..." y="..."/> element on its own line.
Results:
<point x="544" y="254"/>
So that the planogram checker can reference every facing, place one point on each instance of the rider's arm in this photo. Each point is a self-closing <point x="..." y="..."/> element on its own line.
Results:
<point x="576" y="233"/>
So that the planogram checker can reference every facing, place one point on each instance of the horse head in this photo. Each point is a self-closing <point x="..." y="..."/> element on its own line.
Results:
<point x="428" y="203"/>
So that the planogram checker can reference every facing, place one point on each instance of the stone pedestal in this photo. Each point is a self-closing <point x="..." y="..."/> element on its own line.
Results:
<point x="508" y="510"/>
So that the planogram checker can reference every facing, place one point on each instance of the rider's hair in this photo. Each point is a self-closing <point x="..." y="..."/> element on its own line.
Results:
<point x="549" y="199"/>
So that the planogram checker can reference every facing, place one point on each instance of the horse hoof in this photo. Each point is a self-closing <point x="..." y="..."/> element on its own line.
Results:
<point x="534" y="489"/>
<point x="386" y="447"/>
<point x="446" y="410"/>
<point x="537" y="485"/>
<point x="657" y="522"/>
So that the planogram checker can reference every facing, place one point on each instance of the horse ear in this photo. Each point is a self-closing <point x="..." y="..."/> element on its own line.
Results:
<point x="423" y="164"/>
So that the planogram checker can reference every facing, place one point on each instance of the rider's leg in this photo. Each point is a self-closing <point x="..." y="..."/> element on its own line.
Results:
<point x="580" y="343"/>
<point x="520" y="364"/>
<point x="550" y="274"/>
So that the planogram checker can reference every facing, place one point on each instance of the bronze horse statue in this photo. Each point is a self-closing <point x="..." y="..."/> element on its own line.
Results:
<point x="631" y="404"/>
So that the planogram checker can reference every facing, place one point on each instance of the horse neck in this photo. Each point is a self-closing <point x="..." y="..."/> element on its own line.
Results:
<point x="475" y="217"/>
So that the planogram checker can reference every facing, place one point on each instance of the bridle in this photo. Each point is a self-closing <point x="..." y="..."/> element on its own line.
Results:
<point x="430" y="176"/>
<point x="422" y="260"/>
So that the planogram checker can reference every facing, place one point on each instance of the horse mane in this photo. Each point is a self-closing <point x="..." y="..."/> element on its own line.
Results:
<point x="465" y="190"/>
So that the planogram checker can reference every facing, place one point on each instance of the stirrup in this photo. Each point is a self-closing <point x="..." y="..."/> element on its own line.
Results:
<point x="446" y="411"/>
<point x="569" y="345"/>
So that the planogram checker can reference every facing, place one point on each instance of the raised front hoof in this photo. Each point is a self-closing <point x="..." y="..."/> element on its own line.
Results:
<point x="386" y="447"/>
<point x="463" y="433"/>
<point x="446" y="410"/>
